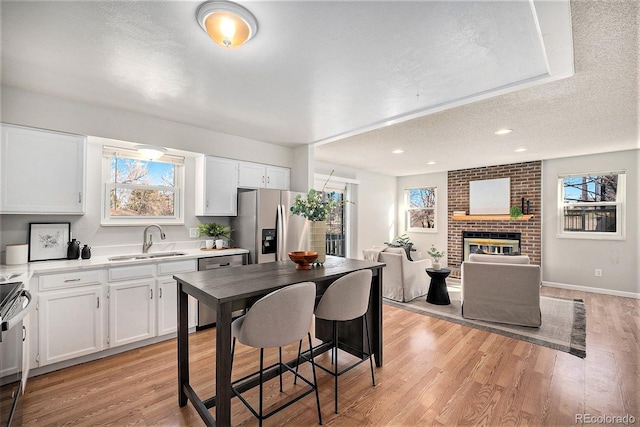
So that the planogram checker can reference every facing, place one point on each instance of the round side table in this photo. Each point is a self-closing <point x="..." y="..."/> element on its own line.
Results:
<point x="438" y="288"/>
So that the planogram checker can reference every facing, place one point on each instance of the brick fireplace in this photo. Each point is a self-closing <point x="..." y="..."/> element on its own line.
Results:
<point x="526" y="181"/>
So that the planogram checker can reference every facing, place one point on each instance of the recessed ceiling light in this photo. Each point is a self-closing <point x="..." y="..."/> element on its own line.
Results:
<point x="503" y="131"/>
<point x="431" y="162"/>
<point x="398" y="151"/>
<point x="520" y="150"/>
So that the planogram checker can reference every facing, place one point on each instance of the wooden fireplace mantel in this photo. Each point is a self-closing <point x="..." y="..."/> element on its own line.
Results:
<point x="489" y="218"/>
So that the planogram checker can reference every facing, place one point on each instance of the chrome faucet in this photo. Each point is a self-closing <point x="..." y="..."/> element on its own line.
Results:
<point x="147" y="242"/>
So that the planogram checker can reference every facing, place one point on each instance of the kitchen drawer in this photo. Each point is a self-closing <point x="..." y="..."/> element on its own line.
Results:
<point x="220" y="261"/>
<point x="69" y="279"/>
<point x="173" y="267"/>
<point x="131" y="272"/>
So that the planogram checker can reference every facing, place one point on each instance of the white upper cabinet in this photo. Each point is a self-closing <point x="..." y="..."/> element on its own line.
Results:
<point x="256" y="175"/>
<point x="216" y="186"/>
<point x="41" y="171"/>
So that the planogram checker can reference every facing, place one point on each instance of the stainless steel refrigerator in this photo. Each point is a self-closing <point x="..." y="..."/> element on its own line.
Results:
<point x="265" y="226"/>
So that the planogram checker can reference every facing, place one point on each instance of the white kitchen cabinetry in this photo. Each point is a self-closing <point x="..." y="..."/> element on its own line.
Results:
<point x="132" y="311"/>
<point x="216" y="186"/>
<point x="168" y="296"/>
<point x="70" y="310"/>
<point x="256" y="175"/>
<point x="41" y="172"/>
<point x="132" y="305"/>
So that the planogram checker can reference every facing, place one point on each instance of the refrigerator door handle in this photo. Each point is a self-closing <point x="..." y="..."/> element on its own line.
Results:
<point x="281" y="233"/>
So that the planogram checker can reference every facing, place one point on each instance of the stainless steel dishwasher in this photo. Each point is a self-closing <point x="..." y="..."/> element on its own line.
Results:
<point x="206" y="314"/>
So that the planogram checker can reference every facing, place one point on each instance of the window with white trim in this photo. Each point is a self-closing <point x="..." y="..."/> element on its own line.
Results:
<point x="592" y="205"/>
<point x="420" y="206"/>
<point x="138" y="191"/>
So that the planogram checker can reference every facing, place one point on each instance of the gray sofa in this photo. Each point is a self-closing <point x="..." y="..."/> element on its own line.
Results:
<point x="504" y="289"/>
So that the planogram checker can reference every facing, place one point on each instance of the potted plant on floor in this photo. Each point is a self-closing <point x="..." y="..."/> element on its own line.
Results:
<point x="436" y="255"/>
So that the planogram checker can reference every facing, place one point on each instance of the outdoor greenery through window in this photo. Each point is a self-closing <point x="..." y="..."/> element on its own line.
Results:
<point x="138" y="190"/>
<point x="592" y="204"/>
<point x="421" y="209"/>
<point x="335" y="225"/>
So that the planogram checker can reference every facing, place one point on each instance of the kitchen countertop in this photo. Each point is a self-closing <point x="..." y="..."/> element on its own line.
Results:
<point x="26" y="271"/>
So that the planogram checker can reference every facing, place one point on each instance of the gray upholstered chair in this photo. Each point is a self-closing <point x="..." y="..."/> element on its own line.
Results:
<point x="499" y="288"/>
<point x="346" y="299"/>
<point x="404" y="280"/>
<point x="282" y="317"/>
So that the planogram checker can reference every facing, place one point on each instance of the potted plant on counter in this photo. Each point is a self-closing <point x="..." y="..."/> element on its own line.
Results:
<point x="215" y="232"/>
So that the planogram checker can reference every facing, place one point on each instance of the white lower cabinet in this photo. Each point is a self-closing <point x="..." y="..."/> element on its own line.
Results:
<point x="87" y="311"/>
<point x="70" y="323"/>
<point x="168" y="296"/>
<point x="168" y="304"/>
<point x="132" y="312"/>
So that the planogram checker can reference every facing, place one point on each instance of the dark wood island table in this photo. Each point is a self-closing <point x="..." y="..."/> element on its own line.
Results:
<point x="231" y="289"/>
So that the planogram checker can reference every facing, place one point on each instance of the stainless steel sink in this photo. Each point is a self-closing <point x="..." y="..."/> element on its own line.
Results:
<point x="145" y="256"/>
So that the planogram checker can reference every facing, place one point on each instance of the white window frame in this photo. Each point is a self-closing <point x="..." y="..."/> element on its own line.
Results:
<point x="408" y="209"/>
<point x="620" y="205"/>
<point x="107" y="220"/>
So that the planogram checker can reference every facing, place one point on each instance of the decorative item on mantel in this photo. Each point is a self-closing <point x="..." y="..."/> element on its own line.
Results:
<point x="515" y="212"/>
<point x="317" y="207"/>
<point x="436" y="255"/>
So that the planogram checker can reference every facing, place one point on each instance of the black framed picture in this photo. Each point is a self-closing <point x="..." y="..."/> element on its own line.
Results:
<point x="48" y="240"/>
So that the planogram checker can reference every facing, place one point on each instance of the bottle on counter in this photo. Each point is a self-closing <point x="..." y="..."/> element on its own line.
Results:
<point x="73" y="249"/>
<point x="86" y="252"/>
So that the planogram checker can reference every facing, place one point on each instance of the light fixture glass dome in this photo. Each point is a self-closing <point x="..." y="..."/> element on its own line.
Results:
<point x="151" y="152"/>
<point x="228" y="24"/>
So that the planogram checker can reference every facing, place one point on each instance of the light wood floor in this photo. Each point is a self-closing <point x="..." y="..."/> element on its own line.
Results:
<point x="435" y="373"/>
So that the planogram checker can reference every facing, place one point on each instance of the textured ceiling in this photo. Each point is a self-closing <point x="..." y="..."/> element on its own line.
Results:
<point x="435" y="79"/>
<point x="594" y="111"/>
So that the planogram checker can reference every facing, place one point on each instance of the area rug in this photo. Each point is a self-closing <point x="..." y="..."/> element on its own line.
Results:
<point x="563" y="321"/>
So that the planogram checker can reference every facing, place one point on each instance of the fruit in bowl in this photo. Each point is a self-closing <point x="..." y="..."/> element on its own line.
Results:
<point x="303" y="259"/>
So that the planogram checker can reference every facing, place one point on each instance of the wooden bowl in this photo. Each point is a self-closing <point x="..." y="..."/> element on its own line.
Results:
<point x="303" y="259"/>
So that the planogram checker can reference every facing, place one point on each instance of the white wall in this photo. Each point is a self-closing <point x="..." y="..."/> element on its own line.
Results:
<point x="47" y="112"/>
<point x="572" y="262"/>
<point x="422" y="241"/>
<point x="374" y="205"/>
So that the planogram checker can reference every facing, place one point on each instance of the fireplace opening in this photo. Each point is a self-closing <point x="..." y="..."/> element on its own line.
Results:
<point x="489" y="242"/>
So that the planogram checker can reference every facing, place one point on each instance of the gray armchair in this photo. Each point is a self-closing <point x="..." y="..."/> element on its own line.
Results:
<point x="503" y="289"/>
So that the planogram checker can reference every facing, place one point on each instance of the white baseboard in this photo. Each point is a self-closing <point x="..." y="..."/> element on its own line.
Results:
<point x="624" y="294"/>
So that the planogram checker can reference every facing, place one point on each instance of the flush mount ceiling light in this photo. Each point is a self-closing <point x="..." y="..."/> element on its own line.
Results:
<point x="398" y="151"/>
<point x="227" y="23"/>
<point x="520" y="150"/>
<point x="431" y="163"/>
<point x="151" y="152"/>
<point x="503" y="131"/>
